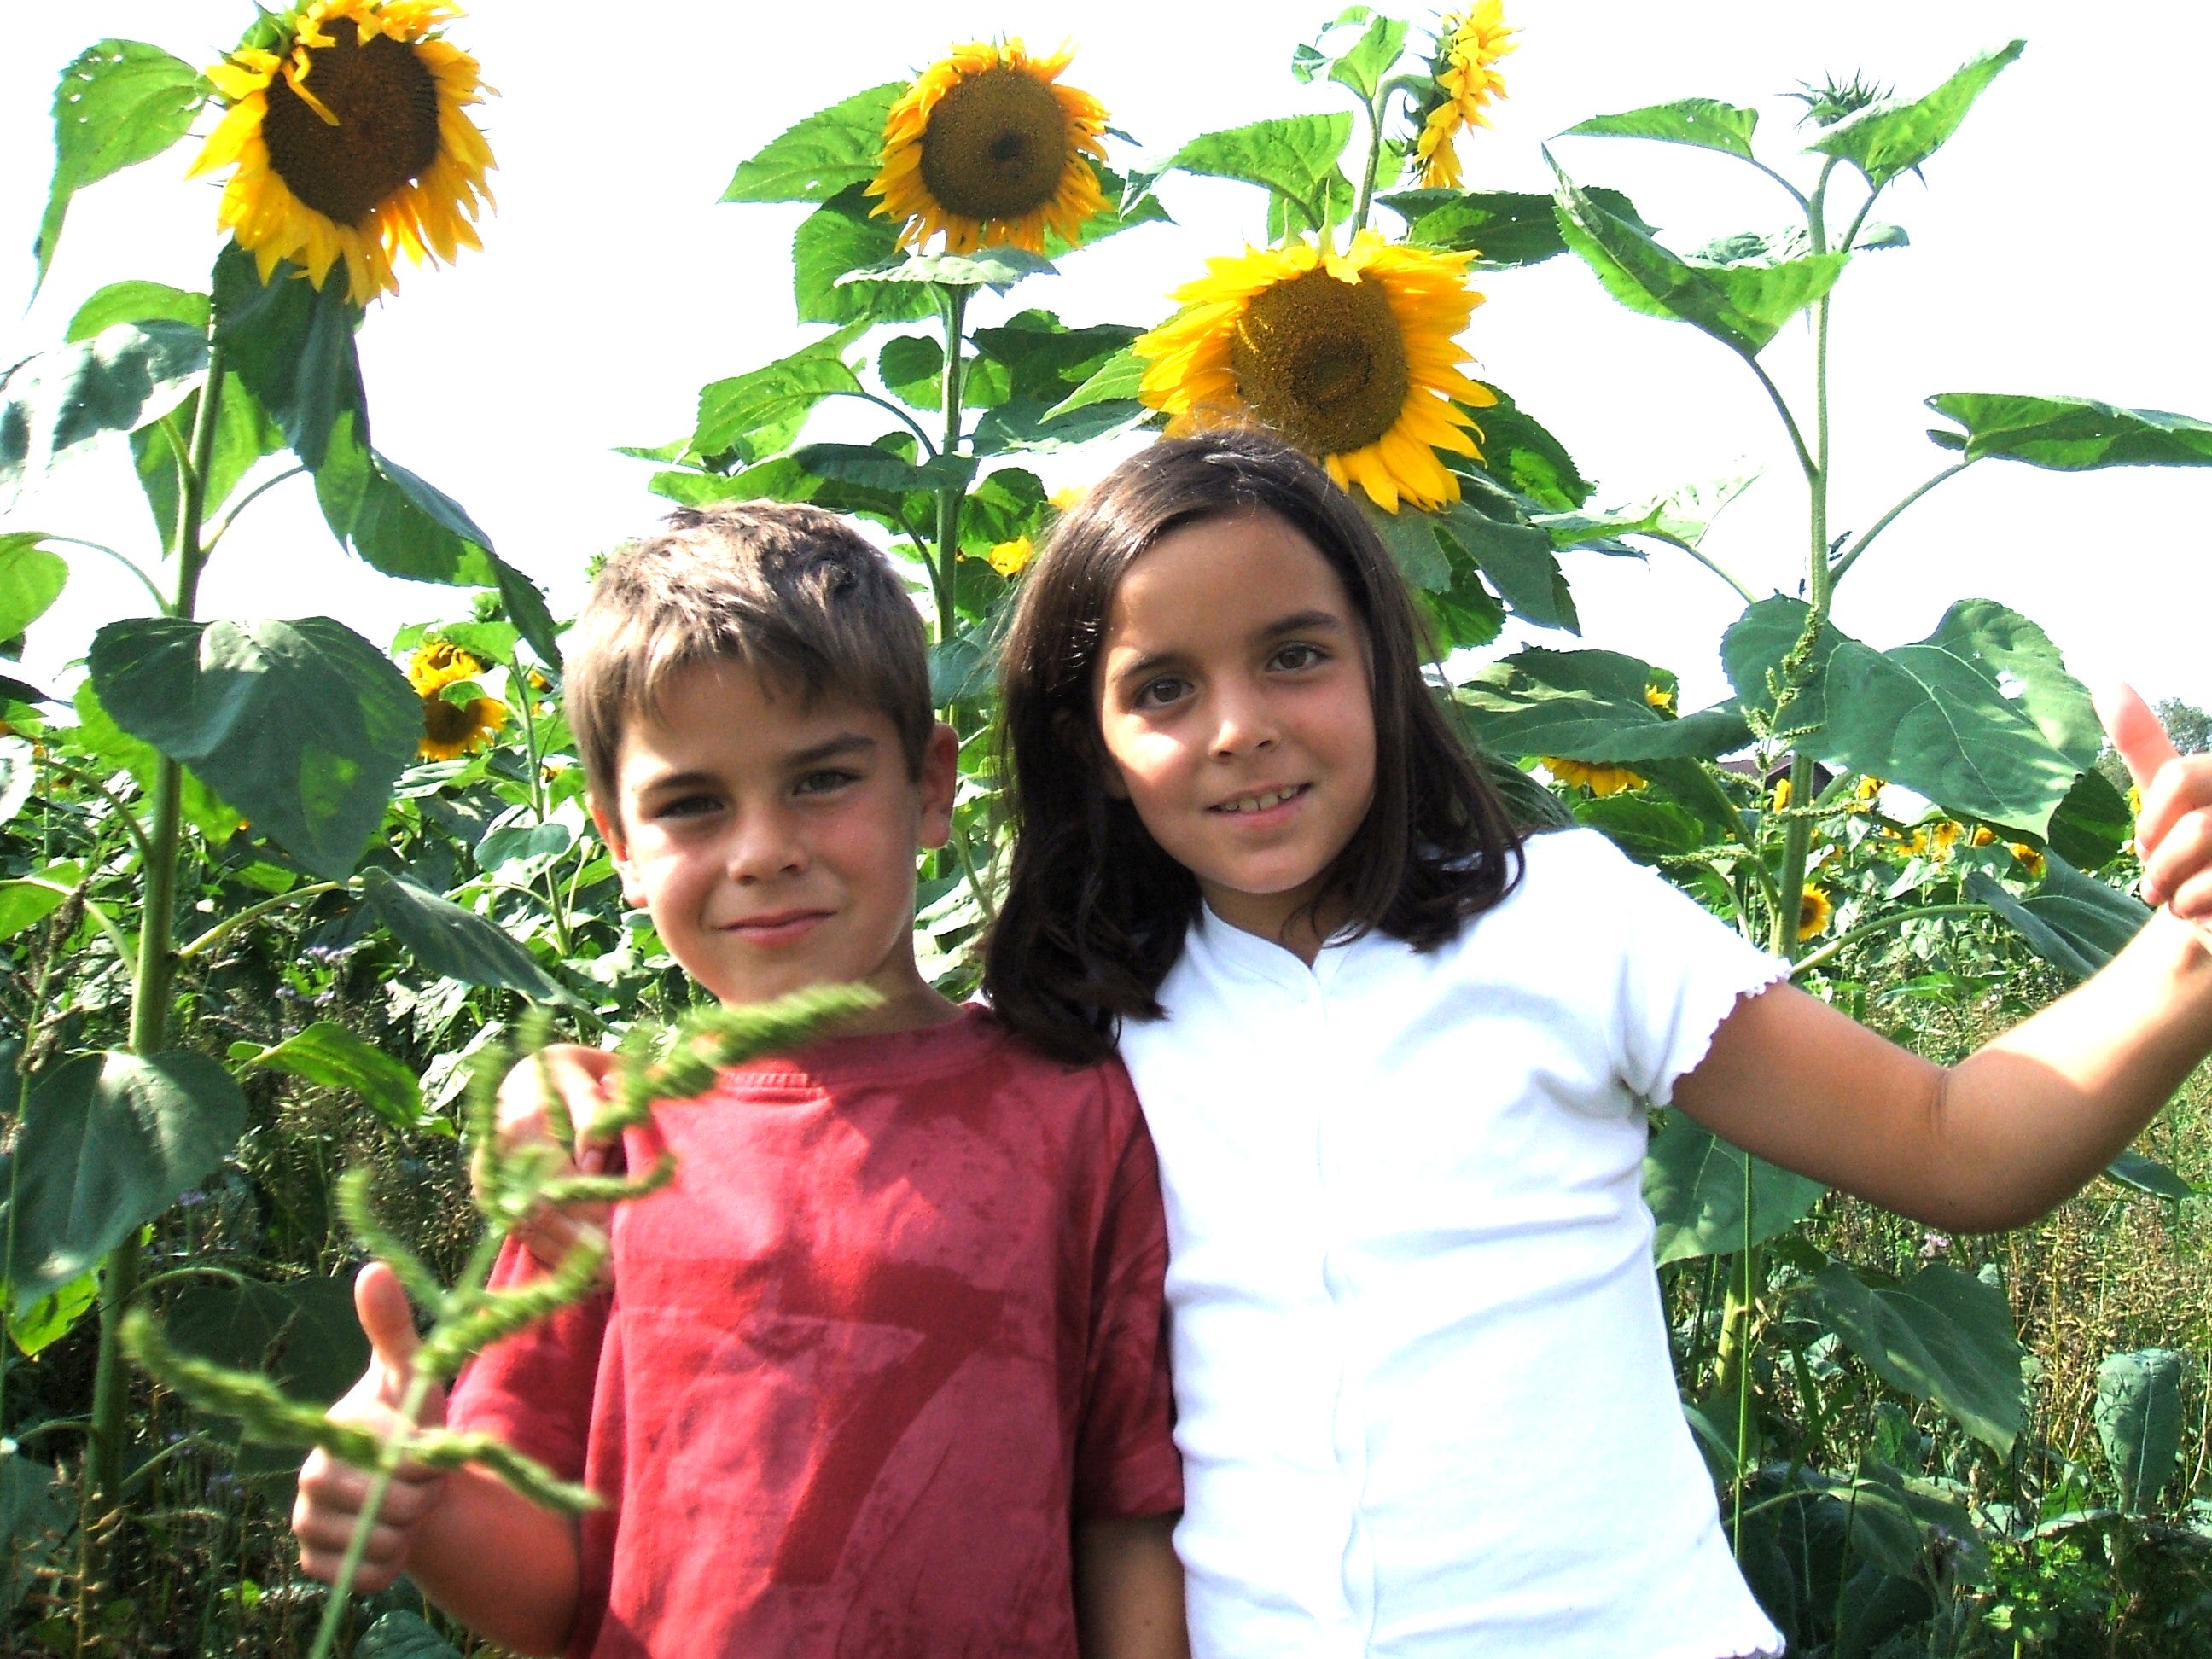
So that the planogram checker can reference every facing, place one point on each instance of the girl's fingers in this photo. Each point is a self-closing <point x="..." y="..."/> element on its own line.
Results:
<point x="2182" y="786"/>
<point x="2176" y="857"/>
<point x="2134" y="731"/>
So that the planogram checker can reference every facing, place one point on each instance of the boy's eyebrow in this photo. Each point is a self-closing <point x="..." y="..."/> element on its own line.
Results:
<point x="845" y="743"/>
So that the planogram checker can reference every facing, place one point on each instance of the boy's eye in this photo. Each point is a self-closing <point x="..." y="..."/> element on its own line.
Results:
<point x="826" y="782"/>
<point x="686" y="806"/>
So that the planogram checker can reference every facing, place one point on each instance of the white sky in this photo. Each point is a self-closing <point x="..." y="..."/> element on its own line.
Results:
<point x="2059" y="246"/>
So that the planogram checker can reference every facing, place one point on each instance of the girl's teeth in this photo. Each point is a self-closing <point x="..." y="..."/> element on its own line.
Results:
<point x="1262" y="802"/>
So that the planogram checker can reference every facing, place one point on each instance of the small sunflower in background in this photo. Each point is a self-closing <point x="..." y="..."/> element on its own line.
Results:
<point x="1010" y="558"/>
<point x="452" y="729"/>
<point x="434" y="666"/>
<point x="1351" y="357"/>
<point x="1815" y="912"/>
<point x="1600" y="781"/>
<point x="350" y="141"/>
<point x="1467" y="80"/>
<point x="989" y="148"/>
<point x="2029" y="859"/>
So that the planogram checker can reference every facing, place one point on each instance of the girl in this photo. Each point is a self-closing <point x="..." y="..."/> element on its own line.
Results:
<point x="1395" y="1060"/>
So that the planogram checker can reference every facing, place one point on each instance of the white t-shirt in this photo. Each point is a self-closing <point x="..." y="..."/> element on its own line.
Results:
<point x="1422" y="1383"/>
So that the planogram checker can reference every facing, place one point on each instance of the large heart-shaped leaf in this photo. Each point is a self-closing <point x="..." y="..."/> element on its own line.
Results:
<point x="125" y="375"/>
<point x="843" y="235"/>
<point x="1295" y="157"/>
<point x="1942" y="1335"/>
<point x="1516" y="558"/>
<point x="1693" y="1182"/>
<point x="2073" y="921"/>
<point x="829" y="151"/>
<point x="1892" y="137"/>
<point x="119" y="102"/>
<point x="1743" y="307"/>
<point x="1588" y="706"/>
<point x="135" y="301"/>
<point x="2070" y="435"/>
<point x="108" y="1142"/>
<point x="1519" y="451"/>
<point x="243" y="435"/>
<point x="2138" y="1417"/>
<point x="1118" y="380"/>
<point x="304" y="725"/>
<point x="1755" y="646"/>
<point x="329" y="1053"/>
<point x="302" y="1335"/>
<point x="1704" y="122"/>
<point x="293" y="345"/>
<point x="457" y="943"/>
<point x="215" y="818"/>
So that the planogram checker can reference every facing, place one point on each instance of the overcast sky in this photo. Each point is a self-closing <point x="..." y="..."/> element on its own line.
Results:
<point x="2058" y="245"/>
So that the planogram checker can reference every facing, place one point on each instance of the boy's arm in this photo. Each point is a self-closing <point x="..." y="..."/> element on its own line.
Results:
<point x="503" y="1566"/>
<point x="1128" y="1590"/>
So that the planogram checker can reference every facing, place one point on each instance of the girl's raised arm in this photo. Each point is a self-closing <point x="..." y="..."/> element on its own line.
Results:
<point x="1998" y="1139"/>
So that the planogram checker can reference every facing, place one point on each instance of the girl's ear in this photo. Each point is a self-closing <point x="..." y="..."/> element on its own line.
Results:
<point x="1082" y="736"/>
<point x="610" y="828"/>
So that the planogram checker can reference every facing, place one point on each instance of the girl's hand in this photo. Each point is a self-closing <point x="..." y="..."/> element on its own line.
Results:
<point x="576" y="1072"/>
<point x="2173" y="827"/>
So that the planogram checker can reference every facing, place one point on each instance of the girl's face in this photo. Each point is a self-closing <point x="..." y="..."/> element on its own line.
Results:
<point x="1233" y="700"/>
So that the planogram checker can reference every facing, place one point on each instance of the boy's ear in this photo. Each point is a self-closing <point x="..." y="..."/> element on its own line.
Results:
<point x="610" y="828"/>
<point x="939" y="782"/>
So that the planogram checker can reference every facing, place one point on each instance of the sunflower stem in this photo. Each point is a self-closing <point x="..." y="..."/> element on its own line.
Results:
<point x="952" y="307"/>
<point x="1374" y="109"/>
<point x="161" y="599"/>
<point x="149" y="1003"/>
<point x="1850" y="557"/>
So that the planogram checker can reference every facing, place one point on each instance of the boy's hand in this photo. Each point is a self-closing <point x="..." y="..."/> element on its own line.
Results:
<point x="332" y="1494"/>
<point x="577" y="1073"/>
<point x="2173" y="827"/>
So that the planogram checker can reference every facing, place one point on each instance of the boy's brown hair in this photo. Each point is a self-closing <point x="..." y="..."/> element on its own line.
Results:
<point x="792" y="592"/>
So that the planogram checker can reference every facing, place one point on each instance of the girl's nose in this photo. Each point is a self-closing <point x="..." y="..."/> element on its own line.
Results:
<point x="1243" y="723"/>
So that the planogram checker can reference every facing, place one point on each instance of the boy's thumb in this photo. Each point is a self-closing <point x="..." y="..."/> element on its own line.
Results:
<point x="2136" y="732"/>
<point x="387" y="1321"/>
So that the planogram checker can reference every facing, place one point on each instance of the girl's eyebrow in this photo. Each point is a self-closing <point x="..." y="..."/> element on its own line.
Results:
<point x="1303" y="622"/>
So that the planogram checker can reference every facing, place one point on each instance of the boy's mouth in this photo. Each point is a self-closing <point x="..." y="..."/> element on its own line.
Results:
<point x="1260" y="800"/>
<point x="773" y="927"/>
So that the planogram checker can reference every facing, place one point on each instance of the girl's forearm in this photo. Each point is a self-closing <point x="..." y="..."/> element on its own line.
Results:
<point x="495" y="1561"/>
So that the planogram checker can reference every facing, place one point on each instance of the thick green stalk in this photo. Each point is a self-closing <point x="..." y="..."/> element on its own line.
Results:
<point x="952" y="307"/>
<point x="156" y="978"/>
<point x="1374" y="108"/>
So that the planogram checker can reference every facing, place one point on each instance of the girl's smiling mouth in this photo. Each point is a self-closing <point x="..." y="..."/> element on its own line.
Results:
<point x="1260" y="803"/>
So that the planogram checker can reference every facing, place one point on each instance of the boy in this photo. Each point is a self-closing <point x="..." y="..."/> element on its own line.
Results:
<point x="882" y="1371"/>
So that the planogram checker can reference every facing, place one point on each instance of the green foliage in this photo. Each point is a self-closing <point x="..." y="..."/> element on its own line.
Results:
<point x="1706" y="122"/>
<point x="1295" y="157"/>
<point x="2070" y="435"/>
<point x="828" y="152"/>
<point x="329" y="1053"/>
<point x="119" y="102"/>
<point x="1695" y="1184"/>
<point x="292" y="343"/>
<point x="59" y="399"/>
<point x="1887" y="139"/>
<point x="1502" y="228"/>
<point x="31" y="579"/>
<point x="1940" y="1335"/>
<point x="455" y="942"/>
<point x="2138" y="1416"/>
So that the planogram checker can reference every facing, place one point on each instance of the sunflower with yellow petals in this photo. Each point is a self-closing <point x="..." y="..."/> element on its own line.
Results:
<point x="1600" y="781"/>
<point x="1468" y="47"/>
<point x="989" y="148"/>
<point x="452" y="729"/>
<point x="352" y="143"/>
<point x="434" y="666"/>
<point x="1815" y="910"/>
<point x="1351" y="357"/>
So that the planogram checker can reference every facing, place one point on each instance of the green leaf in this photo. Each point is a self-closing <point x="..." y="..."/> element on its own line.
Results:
<point x="293" y="345"/>
<point x="1296" y="156"/>
<point x="1935" y="717"/>
<point x="841" y="237"/>
<point x="912" y="369"/>
<point x="1045" y="359"/>
<point x="456" y="943"/>
<point x="403" y="1635"/>
<point x="41" y="1323"/>
<point x="2138" y="1417"/>
<point x="2091" y="823"/>
<point x="1122" y="212"/>
<point x="1371" y="57"/>
<point x="37" y="1511"/>
<point x="1518" y="452"/>
<point x="2072" y="435"/>
<point x="769" y="403"/>
<point x="995" y="268"/>
<point x="2073" y="921"/>
<point x="829" y="151"/>
<point x="1704" y="122"/>
<point x="396" y="521"/>
<point x="119" y="102"/>
<point x="330" y="1054"/>
<point x="1411" y="536"/>
<point x="243" y="435"/>
<point x="519" y="853"/>
<point x="1517" y="559"/>
<point x="1743" y="307"/>
<point x="304" y="725"/>
<point x="1693" y="1182"/>
<point x="127" y="374"/>
<point x="215" y="818"/>
<point x="31" y="579"/>
<point x="108" y="1143"/>
<point x="1502" y="228"/>
<point x="2148" y="1175"/>
<point x="880" y="470"/>
<point x="1588" y="706"/>
<point x="1117" y="380"/>
<point x="302" y="1335"/>
<point x="1943" y="1336"/>
<point x="1891" y="138"/>
<point x="1753" y="649"/>
<point x="31" y="900"/>
<point x="138" y="302"/>
<point x="1648" y="830"/>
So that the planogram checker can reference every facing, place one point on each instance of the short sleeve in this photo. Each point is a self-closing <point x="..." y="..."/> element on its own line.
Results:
<point x="1679" y="969"/>
<point x="535" y="1389"/>
<point x="1126" y="1462"/>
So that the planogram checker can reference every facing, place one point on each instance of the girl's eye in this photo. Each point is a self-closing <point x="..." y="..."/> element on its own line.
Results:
<point x="825" y="782"/>
<point x="1297" y="654"/>
<point x="1159" y="693"/>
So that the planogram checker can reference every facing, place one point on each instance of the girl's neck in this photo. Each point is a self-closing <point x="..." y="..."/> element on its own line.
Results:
<point x="1290" y="919"/>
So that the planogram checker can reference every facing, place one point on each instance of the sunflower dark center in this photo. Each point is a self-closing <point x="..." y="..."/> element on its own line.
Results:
<point x="444" y="721"/>
<point x="996" y="145"/>
<point x="386" y="103"/>
<point x="1322" y="362"/>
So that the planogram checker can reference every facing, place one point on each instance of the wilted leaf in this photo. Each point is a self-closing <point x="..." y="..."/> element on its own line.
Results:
<point x="2138" y="1417"/>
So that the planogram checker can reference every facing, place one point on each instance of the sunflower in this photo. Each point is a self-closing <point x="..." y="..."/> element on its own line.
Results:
<point x="453" y="729"/>
<point x="1598" y="779"/>
<point x="1468" y="46"/>
<point x="1008" y="558"/>
<point x="2030" y="859"/>
<point x="1815" y="912"/>
<point x="984" y="146"/>
<point x="350" y="142"/>
<point x="1781" y="796"/>
<point x="1660" y="697"/>
<point x="434" y="666"/>
<point x="1349" y="356"/>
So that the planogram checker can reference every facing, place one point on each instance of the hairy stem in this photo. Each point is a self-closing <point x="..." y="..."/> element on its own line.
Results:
<point x="1852" y="554"/>
<point x="952" y="307"/>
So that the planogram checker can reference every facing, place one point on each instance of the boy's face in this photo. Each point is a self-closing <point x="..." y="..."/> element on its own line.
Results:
<point x="773" y="843"/>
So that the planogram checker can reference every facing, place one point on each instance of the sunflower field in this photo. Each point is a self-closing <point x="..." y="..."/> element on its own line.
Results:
<point x="278" y="898"/>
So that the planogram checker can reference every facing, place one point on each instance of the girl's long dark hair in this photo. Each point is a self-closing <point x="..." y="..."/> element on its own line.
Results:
<point x="1095" y="913"/>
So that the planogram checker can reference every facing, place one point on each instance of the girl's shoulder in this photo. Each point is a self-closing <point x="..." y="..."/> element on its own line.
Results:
<point x="1574" y="868"/>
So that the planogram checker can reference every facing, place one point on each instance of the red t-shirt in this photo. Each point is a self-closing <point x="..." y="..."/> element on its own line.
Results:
<point x="896" y="1321"/>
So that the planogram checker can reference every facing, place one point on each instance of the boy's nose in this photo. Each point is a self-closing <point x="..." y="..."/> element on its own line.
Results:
<point x="763" y="846"/>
